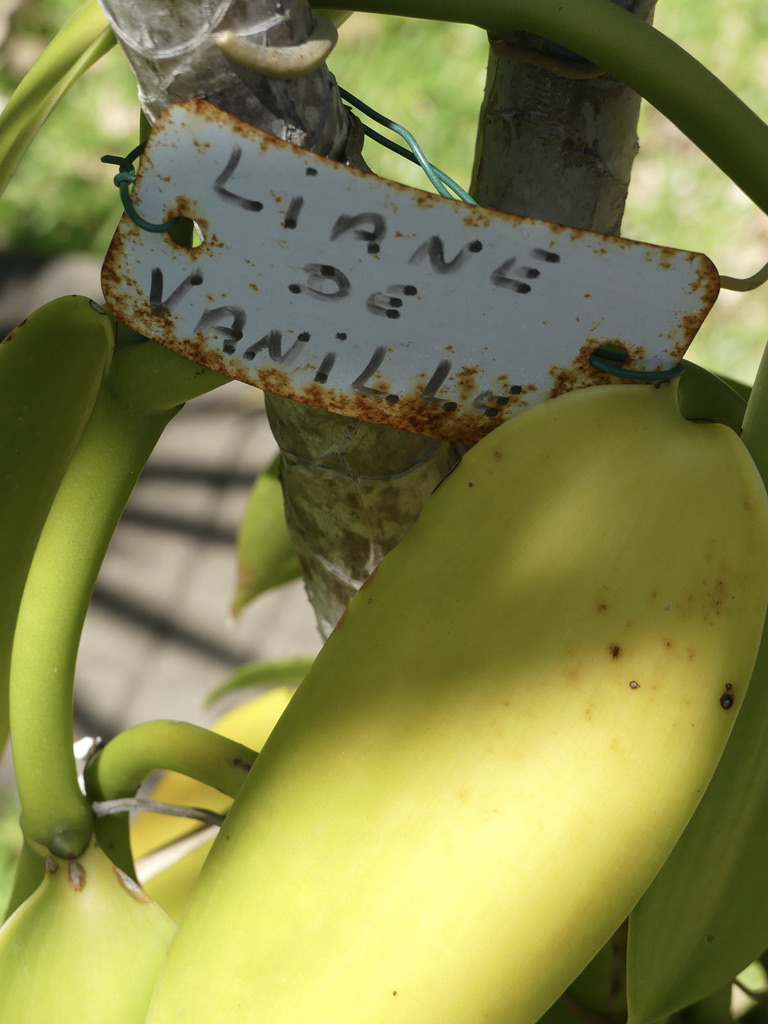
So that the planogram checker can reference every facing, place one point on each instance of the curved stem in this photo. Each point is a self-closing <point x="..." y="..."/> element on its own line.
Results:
<point x="716" y="120"/>
<point x="97" y="485"/>
<point x="119" y="768"/>
<point x="51" y="368"/>
<point x="144" y="389"/>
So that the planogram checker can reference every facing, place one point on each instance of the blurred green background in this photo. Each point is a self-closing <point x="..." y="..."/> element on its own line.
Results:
<point x="430" y="78"/>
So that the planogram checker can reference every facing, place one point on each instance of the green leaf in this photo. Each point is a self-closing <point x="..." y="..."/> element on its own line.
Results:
<point x="283" y="672"/>
<point x="264" y="548"/>
<point x="704" y="917"/>
<point x="81" y="42"/>
<point x="705" y="396"/>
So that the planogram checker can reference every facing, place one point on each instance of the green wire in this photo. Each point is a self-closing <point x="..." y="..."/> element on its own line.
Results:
<point x="438" y="178"/>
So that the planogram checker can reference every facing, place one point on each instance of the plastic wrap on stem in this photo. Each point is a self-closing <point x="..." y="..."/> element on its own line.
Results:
<point x="171" y="46"/>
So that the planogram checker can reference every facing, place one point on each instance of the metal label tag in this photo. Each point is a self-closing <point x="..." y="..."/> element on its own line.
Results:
<point x="346" y="291"/>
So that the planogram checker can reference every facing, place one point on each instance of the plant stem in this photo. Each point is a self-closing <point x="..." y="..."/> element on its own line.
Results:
<point x="90" y="501"/>
<point x="716" y="120"/>
<point x="120" y="767"/>
<point x="51" y="368"/>
<point x="146" y="386"/>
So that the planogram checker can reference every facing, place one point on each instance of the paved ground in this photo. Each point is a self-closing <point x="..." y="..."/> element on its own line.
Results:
<point x="159" y="636"/>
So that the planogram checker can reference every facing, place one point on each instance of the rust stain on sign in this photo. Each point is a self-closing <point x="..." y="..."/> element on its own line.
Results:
<point x="372" y="299"/>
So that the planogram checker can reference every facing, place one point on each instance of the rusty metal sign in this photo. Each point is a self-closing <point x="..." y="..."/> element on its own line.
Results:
<point x="365" y="297"/>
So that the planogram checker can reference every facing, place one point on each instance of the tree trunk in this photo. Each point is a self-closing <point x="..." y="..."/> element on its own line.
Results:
<point x="352" y="491"/>
<point x="551" y="146"/>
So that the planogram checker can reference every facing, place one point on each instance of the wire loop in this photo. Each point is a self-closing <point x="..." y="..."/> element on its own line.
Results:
<point x="609" y="361"/>
<point x="125" y="177"/>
